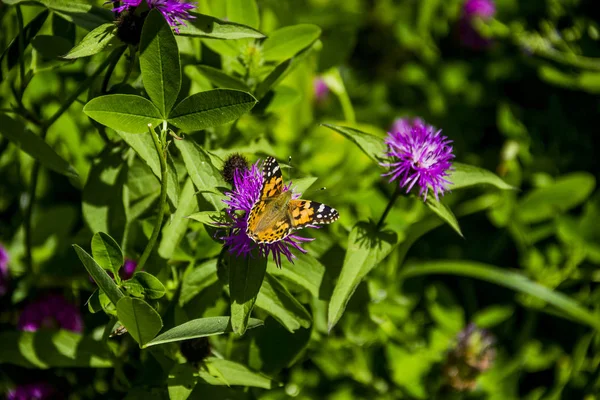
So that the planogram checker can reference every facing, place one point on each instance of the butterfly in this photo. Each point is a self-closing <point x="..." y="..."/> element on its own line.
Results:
<point x="276" y="214"/>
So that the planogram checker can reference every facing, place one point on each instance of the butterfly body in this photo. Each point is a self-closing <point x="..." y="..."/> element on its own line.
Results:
<point x="277" y="214"/>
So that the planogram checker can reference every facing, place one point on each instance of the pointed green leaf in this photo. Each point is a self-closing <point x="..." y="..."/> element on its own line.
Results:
<point x="367" y="247"/>
<point x="107" y="252"/>
<point x="174" y="231"/>
<point x="210" y="108"/>
<point x="373" y="146"/>
<point x="104" y="282"/>
<point x="306" y="271"/>
<point x="83" y="14"/>
<point x="100" y="39"/>
<point x="443" y="212"/>
<point x="197" y="328"/>
<point x="124" y="112"/>
<point x="273" y="78"/>
<point x="152" y="287"/>
<point x="284" y="43"/>
<point x="210" y="27"/>
<point x="506" y="278"/>
<point x="546" y="202"/>
<point x="37" y="148"/>
<point x="159" y="62"/>
<point x="224" y="372"/>
<point x="210" y="218"/>
<point x="198" y="279"/>
<point x="221" y="79"/>
<point x="204" y="174"/>
<point x="276" y="300"/>
<point x="245" y="279"/>
<point x="141" y="320"/>
<point x="465" y="175"/>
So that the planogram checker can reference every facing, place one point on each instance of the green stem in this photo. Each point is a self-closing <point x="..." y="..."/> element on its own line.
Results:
<point x="388" y="207"/>
<point x="162" y="156"/>
<point x="35" y="172"/>
<point x="84" y="86"/>
<point x="21" y="50"/>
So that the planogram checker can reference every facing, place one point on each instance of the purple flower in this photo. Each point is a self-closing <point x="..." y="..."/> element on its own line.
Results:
<point x="31" y="391"/>
<point x="51" y="311"/>
<point x="3" y="270"/>
<point x="246" y="191"/>
<point x="176" y="12"/>
<point x="128" y="269"/>
<point x="472" y="9"/>
<point x="418" y="154"/>
<point x="320" y="88"/>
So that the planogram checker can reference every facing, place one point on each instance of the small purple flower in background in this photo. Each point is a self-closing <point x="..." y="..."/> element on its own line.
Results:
<point x="418" y="154"/>
<point x="320" y="88"/>
<point x="3" y="270"/>
<point x="31" y="391"/>
<point x="128" y="269"/>
<point x="473" y="354"/>
<point x="52" y="311"/>
<point x="246" y="191"/>
<point x="472" y="9"/>
<point x="176" y="12"/>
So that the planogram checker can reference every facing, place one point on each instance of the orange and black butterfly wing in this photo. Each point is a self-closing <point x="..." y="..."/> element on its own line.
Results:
<point x="306" y="212"/>
<point x="272" y="179"/>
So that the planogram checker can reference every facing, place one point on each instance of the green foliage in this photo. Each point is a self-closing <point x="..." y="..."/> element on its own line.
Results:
<point x="116" y="139"/>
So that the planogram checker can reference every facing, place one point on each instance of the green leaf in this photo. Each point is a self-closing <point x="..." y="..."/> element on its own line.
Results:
<point x="80" y="13"/>
<point x="198" y="328"/>
<point x="145" y="149"/>
<point x="221" y="79"/>
<point x="467" y="175"/>
<point x="141" y="320"/>
<point x="210" y="27"/>
<point x="30" y="31"/>
<point x="174" y="231"/>
<point x="100" y="39"/>
<point x="153" y="288"/>
<point x="210" y="218"/>
<point x="245" y="278"/>
<point x="159" y="62"/>
<point x="243" y="11"/>
<point x="492" y="316"/>
<point x="106" y="252"/>
<point x="53" y="348"/>
<point x="37" y="148"/>
<point x="224" y="372"/>
<point x="211" y="108"/>
<point x="443" y="212"/>
<point x="506" y="278"/>
<point x="306" y="271"/>
<point x="367" y="247"/>
<point x="547" y="202"/>
<point x="181" y="381"/>
<point x="104" y="282"/>
<point x="104" y="208"/>
<point x="277" y="301"/>
<point x="273" y="78"/>
<point x="373" y="146"/>
<point x="204" y="174"/>
<point x="284" y="43"/>
<point x="124" y="112"/>
<point x="198" y="279"/>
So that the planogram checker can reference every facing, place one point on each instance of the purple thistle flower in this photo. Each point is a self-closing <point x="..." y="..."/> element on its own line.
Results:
<point x="246" y="191"/>
<point x="31" y="391"/>
<point x="320" y="88"/>
<point x="176" y="12"/>
<point x="472" y="9"/>
<point x="51" y="311"/>
<point x="4" y="276"/>
<point x="418" y="154"/>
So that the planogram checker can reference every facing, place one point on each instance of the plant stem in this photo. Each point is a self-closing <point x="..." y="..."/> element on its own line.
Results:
<point x="85" y="85"/>
<point x="388" y="207"/>
<point x="162" y="156"/>
<point x="35" y="172"/>
<point x="21" y="50"/>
